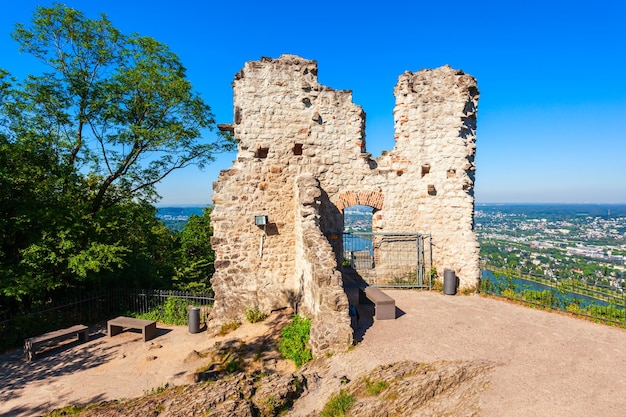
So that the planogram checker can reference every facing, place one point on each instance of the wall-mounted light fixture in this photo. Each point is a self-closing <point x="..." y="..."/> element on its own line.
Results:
<point x="260" y="220"/>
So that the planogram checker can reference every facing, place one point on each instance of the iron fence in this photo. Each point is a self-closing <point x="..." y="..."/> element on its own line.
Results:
<point x="89" y="308"/>
<point x="389" y="259"/>
<point x="606" y="305"/>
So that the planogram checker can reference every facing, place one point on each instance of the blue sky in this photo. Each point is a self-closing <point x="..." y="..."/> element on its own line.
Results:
<point x="552" y="111"/>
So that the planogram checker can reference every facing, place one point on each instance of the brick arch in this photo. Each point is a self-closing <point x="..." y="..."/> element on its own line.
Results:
<point x="373" y="199"/>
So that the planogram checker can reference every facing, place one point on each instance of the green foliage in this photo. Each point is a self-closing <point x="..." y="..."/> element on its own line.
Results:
<point x="81" y="148"/>
<point x="508" y="293"/>
<point x="545" y="297"/>
<point x="254" y="315"/>
<point x="233" y="365"/>
<point x="567" y="295"/>
<point x="109" y="103"/>
<point x="610" y="312"/>
<point x="229" y="327"/>
<point x="69" y="410"/>
<point x="172" y="311"/>
<point x="196" y="266"/>
<point x="338" y="405"/>
<point x="157" y="390"/>
<point x="293" y="341"/>
<point x="374" y="388"/>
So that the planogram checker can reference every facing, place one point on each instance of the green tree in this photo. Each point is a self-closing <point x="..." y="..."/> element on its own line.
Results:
<point x="81" y="149"/>
<point x="197" y="258"/>
<point x="117" y="106"/>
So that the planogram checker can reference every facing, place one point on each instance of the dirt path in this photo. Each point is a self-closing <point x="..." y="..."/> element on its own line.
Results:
<point x="546" y="363"/>
<point x="106" y="368"/>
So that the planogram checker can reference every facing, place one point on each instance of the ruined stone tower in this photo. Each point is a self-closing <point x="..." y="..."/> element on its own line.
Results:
<point x="302" y="159"/>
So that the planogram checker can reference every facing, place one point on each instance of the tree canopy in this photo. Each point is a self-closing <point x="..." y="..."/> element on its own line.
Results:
<point x="82" y="147"/>
<point x="116" y="106"/>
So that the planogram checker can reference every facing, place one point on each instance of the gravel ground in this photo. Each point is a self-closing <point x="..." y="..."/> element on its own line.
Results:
<point x="546" y="364"/>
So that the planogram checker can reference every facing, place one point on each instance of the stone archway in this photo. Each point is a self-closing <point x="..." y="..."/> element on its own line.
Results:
<point x="374" y="199"/>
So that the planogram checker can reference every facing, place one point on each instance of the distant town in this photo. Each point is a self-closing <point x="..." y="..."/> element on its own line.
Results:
<point x="583" y="242"/>
<point x="586" y="242"/>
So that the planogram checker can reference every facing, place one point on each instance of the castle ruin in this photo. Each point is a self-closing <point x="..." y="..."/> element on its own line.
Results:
<point x="278" y="211"/>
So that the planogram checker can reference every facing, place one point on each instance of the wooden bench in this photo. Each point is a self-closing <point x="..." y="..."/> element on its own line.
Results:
<point x="118" y="324"/>
<point x="385" y="306"/>
<point x="31" y="344"/>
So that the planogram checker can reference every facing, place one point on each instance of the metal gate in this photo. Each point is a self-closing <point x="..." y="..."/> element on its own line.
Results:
<point x="389" y="259"/>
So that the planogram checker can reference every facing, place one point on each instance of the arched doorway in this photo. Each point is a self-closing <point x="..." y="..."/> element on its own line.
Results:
<point x="358" y="249"/>
<point x="370" y="257"/>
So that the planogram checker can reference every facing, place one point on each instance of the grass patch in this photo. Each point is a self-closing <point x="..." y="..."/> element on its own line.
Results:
<point x="338" y="405"/>
<point x="254" y="315"/>
<point x="293" y="341"/>
<point x="437" y="285"/>
<point x="229" y="327"/>
<point x="157" y="390"/>
<point x="70" y="410"/>
<point x="375" y="388"/>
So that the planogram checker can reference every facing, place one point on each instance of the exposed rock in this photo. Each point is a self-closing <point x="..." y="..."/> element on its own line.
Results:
<point x="412" y="389"/>
<point x="277" y="393"/>
<point x="399" y="389"/>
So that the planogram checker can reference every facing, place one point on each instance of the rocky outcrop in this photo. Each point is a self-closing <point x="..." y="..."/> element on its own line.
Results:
<point x="399" y="389"/>
<point x="417" y="389"/>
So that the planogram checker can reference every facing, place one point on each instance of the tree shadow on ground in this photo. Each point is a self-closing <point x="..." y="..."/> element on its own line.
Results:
<point x="40" y="409"/>
<point x="73" y="356"/>
<point x="250" y="354"/>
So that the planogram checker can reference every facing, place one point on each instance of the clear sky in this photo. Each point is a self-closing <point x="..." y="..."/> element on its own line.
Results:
<point x="552" y="111"/>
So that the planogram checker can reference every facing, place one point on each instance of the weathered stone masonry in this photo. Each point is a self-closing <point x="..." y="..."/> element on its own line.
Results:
<point x="302" y="160"/>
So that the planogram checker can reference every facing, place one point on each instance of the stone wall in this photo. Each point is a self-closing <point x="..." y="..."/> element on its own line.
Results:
<point x="302" y="159"/>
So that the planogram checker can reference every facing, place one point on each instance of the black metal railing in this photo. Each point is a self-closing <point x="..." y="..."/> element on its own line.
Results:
<point x="603" y="304"/>
<point x="89" y="308"/>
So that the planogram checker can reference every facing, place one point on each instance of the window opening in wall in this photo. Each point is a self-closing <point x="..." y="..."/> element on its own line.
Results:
<point x="297" y="149"/>
<point x="358" y="251"/>
<point x="261" y="152"/>
<point x="425" y="169"/>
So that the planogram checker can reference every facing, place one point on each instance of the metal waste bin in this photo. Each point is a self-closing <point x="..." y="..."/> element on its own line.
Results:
<point x="449" y="282"/>
<point x="194" y="320"/>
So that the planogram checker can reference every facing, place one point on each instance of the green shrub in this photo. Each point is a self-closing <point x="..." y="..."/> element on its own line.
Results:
<point x="157" y="390"/>
<point x="610" y="312"/>
<point x="293" y="341"/>
<point x="69" y="410"/>
<point x="573" y="308"/>
<point x="229" y="327"/>
<point x="254" y="315"/>
<point x="233" y="365"/>
<point x="338" y="405"/>
<point x="509" y="293"/>
<point x="375" y="388"/>
<point x="172" y="311"/>
<point x="545" y="297"/>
